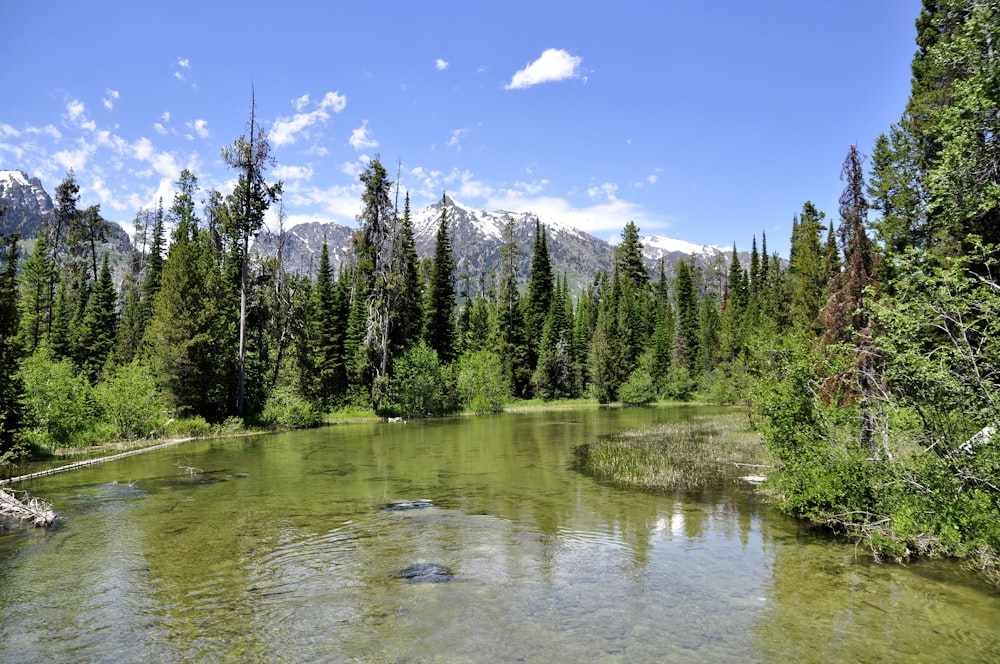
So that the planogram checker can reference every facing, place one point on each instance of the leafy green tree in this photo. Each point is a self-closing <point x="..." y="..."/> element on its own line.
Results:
<point x="419" y="388"/>
<point x="130" y="401"/>
<point x="482" y="384"/>
<point x="439" y="329"/>
<point x="60" y="402"/>
<point x="953" y="120"/>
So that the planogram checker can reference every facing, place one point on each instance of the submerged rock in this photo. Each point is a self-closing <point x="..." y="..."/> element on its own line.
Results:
<point x="403" y="505"/>
<point x="425" y="573"/>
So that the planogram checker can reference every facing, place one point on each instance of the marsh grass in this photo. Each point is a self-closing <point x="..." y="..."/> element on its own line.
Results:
<point x="709" y="451"/>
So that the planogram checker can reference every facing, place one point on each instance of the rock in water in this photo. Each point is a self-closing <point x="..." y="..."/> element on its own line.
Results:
<point x="403" y="505"/>
<point x="425" y="573"/>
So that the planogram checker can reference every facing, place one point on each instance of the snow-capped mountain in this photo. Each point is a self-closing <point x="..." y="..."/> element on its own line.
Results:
<point x="27" y="203"/>
<point x="477" y="237"/>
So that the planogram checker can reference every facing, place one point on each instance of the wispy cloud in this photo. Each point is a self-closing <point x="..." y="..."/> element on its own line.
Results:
<point x="286" y="129"/>
<point x="607" y="190"/>
<point x="553" y="65"/>
<point x="109" y="98"/>
<point x="361" y="138"/>
<point x="456" y="138"/>
<point x="440" y="64"/>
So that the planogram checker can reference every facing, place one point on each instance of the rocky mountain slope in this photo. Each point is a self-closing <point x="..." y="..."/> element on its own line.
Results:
<point x="27" y="203"/>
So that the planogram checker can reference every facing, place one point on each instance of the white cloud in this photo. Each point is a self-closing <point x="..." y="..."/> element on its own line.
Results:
<point x="286" y="172"/>
<point x="361" y="138"/>
<point x="160" y="129"/>
<point x="166" y="116"/>
<point x="184" y="63"/>
<point x="440" y="64"/>
<point x="77" y="112"/>
<point x="6" y="131"/>
<point x="75" y="158"/>
<point x="553" y="65"/>
<point x="199" y="127"/>
<point x="109" y="99"/>
<point x="596" y="219"/>
<point x="285" y="129"/>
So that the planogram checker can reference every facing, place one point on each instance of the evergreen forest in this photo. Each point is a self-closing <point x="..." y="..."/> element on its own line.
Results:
<point x="869" y="360"/>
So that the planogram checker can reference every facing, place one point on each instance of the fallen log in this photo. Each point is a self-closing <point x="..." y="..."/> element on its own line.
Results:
<point x="26" y="508"/>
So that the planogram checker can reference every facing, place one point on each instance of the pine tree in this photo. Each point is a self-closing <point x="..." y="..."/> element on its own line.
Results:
<point x="376" y="260"/>
<point x="328" y="382"/>
<point x="95" y="338"/>
<point x="36" y="299"/>
<point x="439" y="329"/>
<point x="191" y="334"/>
<point x="539" y="297"/>
<point x="847" y="314"/>
<point x="805" y="267"/>
<point x="687" y="335"/>
<point x="408" y="317"/>
<point x="13" y="416"/>
<point x="250" y="156"/>
<point x="628" y="258"/>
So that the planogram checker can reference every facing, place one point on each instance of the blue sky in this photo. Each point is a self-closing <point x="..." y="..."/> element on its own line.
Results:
<point x="709" y="122"/>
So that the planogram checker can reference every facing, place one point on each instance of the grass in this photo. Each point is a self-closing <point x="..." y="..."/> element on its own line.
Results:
<point x="713" y="450"/>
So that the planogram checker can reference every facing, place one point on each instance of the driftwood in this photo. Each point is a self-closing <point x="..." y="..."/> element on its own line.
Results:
<point x="26" y="508"/>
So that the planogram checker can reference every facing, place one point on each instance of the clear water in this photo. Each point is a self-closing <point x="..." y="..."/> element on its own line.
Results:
<point x="280" y="550"/>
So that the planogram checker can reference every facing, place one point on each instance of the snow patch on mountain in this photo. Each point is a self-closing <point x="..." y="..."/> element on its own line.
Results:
<point x="659" y="246"/>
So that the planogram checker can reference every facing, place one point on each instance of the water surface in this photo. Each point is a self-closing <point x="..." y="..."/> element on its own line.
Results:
<point x="278" y="548"/>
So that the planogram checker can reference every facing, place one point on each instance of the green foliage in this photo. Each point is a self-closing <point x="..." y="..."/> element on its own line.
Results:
<point x="638" y="389"/>
<point x="287" y="408"/>
<point x="60" y="401"/>
<point x="130" y="401"/>
<point x="187" y="427"/>
<point x="482" y="384"/>
<point x="418" y="384"/>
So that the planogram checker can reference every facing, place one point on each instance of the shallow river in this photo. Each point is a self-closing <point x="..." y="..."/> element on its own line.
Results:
<point x="279" y="548"/>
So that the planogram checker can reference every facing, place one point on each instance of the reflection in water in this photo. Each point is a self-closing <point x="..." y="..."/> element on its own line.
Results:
<point x="282" y="550"/>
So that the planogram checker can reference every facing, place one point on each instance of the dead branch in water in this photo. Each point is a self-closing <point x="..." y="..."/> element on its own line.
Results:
<point x="26" y="508"/>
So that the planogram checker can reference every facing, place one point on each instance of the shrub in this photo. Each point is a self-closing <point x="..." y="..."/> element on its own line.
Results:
<point x="638" y="389"/>
<point x="187" y="427"/>
<point x="482" y="383"/>
<point x="286" y="408"/>
<point x="60" y="403"/>
<point x="130" y="402"/>
<point x="418" y="385"/>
